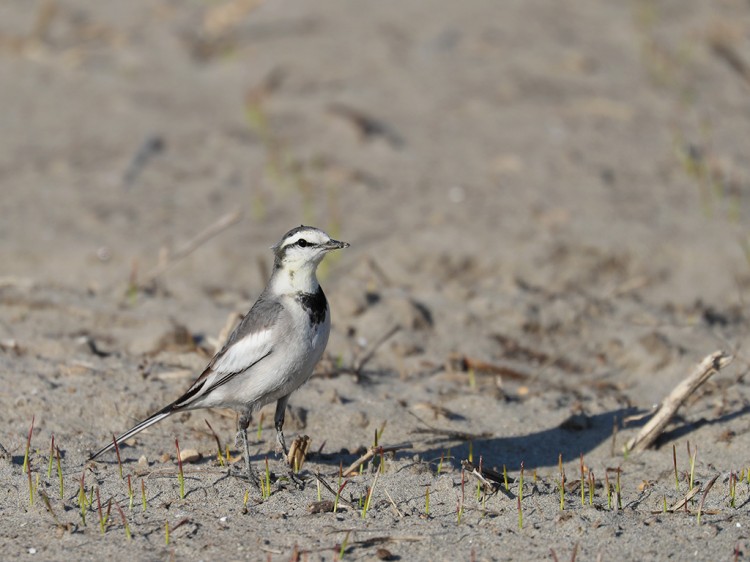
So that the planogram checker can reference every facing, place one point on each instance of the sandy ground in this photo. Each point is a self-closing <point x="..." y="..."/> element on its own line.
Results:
<point x="547" y="206"/>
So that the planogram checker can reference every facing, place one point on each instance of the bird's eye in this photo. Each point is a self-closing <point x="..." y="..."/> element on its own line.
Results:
<point x="302" y="243"/>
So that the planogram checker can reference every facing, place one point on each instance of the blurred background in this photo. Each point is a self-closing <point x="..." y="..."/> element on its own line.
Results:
<point x="564" y="172"/>
<point x="547" y="205"/>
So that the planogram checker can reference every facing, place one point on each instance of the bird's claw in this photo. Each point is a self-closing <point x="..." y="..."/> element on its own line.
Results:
<point x="296" y="480"/>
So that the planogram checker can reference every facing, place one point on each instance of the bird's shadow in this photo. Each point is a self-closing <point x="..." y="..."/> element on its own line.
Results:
<point x="575" y="436"/>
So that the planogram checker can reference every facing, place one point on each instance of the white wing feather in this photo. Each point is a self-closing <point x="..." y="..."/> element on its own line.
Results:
<point x="243" y="353"/>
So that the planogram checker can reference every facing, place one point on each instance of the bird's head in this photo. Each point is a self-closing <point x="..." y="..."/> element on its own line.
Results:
<point x="303" y="248"/>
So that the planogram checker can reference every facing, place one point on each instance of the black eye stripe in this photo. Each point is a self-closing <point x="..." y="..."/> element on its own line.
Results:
<point x="302" y="243"/>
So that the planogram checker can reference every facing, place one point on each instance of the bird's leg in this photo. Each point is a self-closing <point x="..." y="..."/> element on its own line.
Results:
<point x="278" y="419"/>
<point x="242" y="426"/>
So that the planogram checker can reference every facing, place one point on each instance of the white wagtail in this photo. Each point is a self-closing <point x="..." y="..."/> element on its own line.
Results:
<point x="273" y="351"/>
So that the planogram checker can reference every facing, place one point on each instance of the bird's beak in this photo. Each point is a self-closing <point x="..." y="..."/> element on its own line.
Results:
<point x="336" y="245"/>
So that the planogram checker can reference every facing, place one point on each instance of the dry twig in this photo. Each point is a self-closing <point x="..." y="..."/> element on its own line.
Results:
<point x="191" y="245"/>
<point x="711" y="364"/>
<point x="371" y="452"/>
<point x="490" y="479"/>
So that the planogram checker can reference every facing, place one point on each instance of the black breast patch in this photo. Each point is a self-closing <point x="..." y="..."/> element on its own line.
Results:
<point x="315" y="304"/>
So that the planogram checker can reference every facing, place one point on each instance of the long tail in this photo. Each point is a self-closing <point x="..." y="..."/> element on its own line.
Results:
<point x="158" y="416"/>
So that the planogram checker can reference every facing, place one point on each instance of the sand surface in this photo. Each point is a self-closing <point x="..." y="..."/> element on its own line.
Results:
<point x="547" y="205"/>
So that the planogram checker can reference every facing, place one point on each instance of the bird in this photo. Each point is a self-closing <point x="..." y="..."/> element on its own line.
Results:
<point x="272" y="351"/>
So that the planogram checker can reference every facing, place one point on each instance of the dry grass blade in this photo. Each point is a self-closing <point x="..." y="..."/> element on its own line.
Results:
<point x="327" y="486"/>
<point x="393" y="503"/>
<point x="191" y="245"/>
<point x="490" y="479"/>
<point x="358" y="364"/>
<point x="705" y="494"/>
<point x="683" y="502"/>
<point x="711" y="364"/>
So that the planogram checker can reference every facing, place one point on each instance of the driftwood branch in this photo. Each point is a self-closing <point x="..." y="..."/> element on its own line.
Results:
<point x="711" y="364"/>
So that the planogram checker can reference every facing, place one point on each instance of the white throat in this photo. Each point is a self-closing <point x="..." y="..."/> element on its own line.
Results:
<point x="290" y="279"/>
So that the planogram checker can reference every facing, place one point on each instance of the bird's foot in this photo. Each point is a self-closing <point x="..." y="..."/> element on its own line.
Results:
<point x="280" y="448"/>
<point x="296" y="480"/>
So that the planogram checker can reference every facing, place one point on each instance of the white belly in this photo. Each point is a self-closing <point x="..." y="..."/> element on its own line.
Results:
<point x="283" y="371"/>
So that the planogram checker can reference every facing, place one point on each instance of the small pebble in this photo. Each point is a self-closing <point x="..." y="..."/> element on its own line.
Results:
<point x="384" y="554"/>
<point x="190" y="455"/>
<point x="143" y="461"/>
<point x="32" y="550"/>
<point x="324" y="506"/>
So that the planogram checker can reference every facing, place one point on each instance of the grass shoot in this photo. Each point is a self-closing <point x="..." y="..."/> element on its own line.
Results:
<point x="265" y="485"/>
<point x="344" y="544"/>
<point x="260" y="425"/>
<point x="607" y="490"/>
<point x="520" y="513"/>
<point x="82" y="499"/>
<point x="144" y="501"/>
<point x="180" y="474"/>
<point x="27" y="462"/>
<point x="562" y="482"/>
<point x="427" y="501"/>
<point x="48" y="506"/>
<point x="28" y="446"/>
<point x="368" y="497"/>
<point x="340" y="487"/>
<point x="117" y="452"/>
<point x="479" y="484"/>
<point x="100" y="511"/>
<point x="128" y="536"/>
<point x="31" y="484"/>
<point x="692" y="465"/>
<point x="583" y="483"/>
<point x="51" y="456"/>
<point x="219" y="456"/>
<point x="460" y="506"/>
<point x="59" y="472"/>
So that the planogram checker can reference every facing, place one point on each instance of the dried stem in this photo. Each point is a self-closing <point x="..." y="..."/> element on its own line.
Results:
<point x="711" y="364"/>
